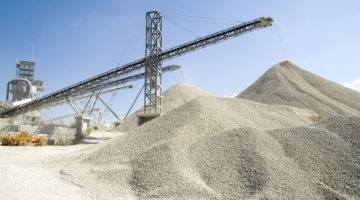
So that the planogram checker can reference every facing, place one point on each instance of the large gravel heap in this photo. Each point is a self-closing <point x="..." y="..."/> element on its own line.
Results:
<point x="233" y="148"/>
<point x="287" y="84"/>
<point x="160" y="158"/>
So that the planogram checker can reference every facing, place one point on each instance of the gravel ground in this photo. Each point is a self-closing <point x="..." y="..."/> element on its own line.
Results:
<point x="287" y="84"/>
<point x="35" y="172"/>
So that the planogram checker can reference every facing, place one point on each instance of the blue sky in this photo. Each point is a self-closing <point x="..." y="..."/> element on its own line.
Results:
<point x="77" y="39"/>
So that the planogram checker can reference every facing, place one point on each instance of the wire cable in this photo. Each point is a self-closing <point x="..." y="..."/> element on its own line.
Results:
<point x="130" y="47"/>
<point x="203" y="17"/>
<point x="202" y="21"/>
<point x="183" y="28"/>
<point x="131" y="51"/>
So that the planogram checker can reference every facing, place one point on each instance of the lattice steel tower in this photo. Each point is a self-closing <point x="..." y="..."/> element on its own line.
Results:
<point x="153" y="64"/>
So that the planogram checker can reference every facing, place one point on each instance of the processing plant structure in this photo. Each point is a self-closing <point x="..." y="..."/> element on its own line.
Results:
<point x="24" y="88"/>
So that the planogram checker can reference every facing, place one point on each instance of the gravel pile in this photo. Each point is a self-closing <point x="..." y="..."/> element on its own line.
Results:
<point x="171" y="98"/>
<point x="287" y="84"/>
<point x="159" y="159"/>
<point x="207" y="147"/>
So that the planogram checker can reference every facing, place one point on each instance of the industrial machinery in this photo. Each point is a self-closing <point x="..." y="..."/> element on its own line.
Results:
<point x="24" y="88"/>
<point x="152" y="63"/>
<point x="24" y="139"/>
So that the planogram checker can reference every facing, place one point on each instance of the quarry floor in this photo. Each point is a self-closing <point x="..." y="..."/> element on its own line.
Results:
<point x="29" y="172"/>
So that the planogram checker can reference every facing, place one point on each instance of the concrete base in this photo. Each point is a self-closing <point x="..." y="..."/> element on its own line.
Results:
<point x="143" y="118"/>
<point x="32" y="120"/>
<point x="83" y="127"/>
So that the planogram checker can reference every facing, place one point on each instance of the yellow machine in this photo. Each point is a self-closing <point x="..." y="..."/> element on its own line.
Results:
<point x="24" y="139"/>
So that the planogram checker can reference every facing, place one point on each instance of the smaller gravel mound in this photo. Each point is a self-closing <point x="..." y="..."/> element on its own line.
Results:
<point x="173" y="97"/>
<point x="287" y="84"/>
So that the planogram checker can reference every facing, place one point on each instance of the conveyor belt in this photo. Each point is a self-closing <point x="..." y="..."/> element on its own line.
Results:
<point x="139" y="64"/>
<point x="105" y="85"/>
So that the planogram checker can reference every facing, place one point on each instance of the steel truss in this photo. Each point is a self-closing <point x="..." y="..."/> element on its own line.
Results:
<point x="87" y="92"/>
<point x="153" y="65"/>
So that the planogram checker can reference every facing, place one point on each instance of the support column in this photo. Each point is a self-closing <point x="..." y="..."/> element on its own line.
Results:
<point x="153" y="67"/>
<point x="83" y="127"/>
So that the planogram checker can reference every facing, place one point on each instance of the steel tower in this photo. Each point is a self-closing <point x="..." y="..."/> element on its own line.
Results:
<point x="153" y="64"/>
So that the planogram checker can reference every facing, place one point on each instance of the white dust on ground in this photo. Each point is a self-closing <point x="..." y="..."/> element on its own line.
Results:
<point x="34" y="173"/>
<point x="287" y="84"/>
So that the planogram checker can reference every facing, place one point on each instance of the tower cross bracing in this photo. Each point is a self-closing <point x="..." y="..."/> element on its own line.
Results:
<point x="153" y="64"/>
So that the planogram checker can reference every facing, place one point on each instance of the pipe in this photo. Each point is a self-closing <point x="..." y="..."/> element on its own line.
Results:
<point x="7" y="90"/>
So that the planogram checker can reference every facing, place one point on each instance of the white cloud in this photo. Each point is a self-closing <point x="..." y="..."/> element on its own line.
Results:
<point x="355" y="84"/>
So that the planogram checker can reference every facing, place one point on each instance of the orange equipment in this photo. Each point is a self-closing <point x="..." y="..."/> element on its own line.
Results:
<point x="24" y="139"/>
